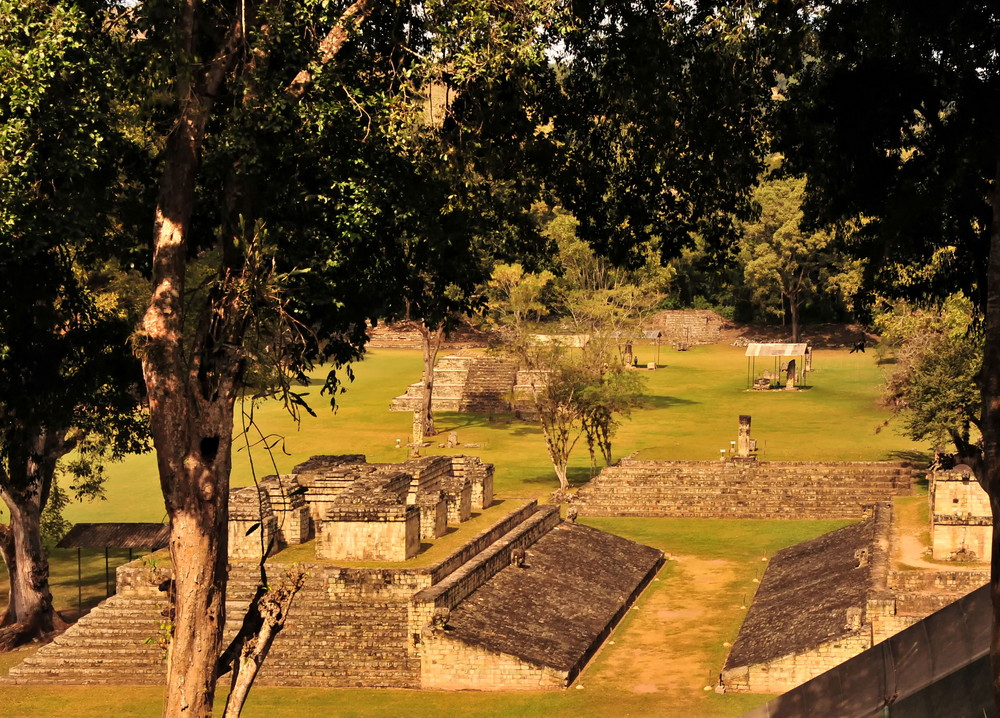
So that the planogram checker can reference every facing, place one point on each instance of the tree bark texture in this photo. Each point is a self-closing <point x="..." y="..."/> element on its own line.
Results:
<point x="990" y="385"/>
<point x="192" y="387"/>
<point x="29" y="613"/>
<point x="24" y="488"/>
<point x="191" y="398"/>
<point x="431" y="342"/>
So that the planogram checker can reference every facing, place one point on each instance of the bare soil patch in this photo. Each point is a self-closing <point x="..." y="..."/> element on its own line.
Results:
<point x="663" y="649"/>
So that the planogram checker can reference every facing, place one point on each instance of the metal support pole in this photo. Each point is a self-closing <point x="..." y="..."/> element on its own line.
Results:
<point x="107" y="575"/>
<point x="79" y="582"/>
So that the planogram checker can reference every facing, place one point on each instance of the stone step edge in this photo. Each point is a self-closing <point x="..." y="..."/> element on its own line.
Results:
<point x="450" y="591"/>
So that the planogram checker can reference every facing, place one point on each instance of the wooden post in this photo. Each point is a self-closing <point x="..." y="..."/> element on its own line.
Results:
<point x="79" y="583"/>
<point x="107" y="579"/>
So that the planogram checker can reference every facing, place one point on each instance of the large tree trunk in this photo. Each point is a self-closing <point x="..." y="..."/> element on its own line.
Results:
<point x="195" y="463"/>
<point x="990" y="385"/>
<point x="190" y="403"/>
<point x="29" y="613"/>
<point x="431" y="342"/>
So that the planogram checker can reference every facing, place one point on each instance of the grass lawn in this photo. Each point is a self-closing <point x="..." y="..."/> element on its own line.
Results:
<point x="694" y="399"/>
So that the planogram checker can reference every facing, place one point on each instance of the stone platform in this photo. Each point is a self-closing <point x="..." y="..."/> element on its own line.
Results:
<point x="374" y="627"/>
<point x="742" y="490"/>
<point x="824" y="601"/>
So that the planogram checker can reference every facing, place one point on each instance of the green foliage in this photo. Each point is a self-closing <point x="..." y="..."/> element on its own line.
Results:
<point x="660" y="122"/>
<point x="783" y="263"/>
<point x="515" y="296"/>
<point x="66" y="376"/>
<point x="890" y="113"/>
<point x="937" y="351"/>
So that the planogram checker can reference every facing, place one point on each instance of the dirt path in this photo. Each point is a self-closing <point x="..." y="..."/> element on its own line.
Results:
<point x="664" y="647"/>
<point x="909" y="545"/>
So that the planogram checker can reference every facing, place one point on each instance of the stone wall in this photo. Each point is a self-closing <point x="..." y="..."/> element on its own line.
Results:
<point x="289" y="505"/>
<point x="688" y="326"/>
<point x="962" y="524"/>
<point x="779" y="675"/>
<point x="389" y="540"/>
<point x="252" y="523"/>
<point x="734" y="490"/>
<point x="449" y="664"/>
<point x="480" y="475"/>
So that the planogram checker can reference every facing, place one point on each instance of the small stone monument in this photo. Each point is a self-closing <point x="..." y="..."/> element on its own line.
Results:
<point x="418" y="433"/>
<point x="790" y="375"/>
<point x="745" y="446"/>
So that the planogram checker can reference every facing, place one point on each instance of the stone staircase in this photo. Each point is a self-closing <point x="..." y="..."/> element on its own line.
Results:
<point x="472" y="384"/>
<point x="348" y="627"/>
<point x="117" y="642"/>
<point x="348" y="642"/>
<point x="733" y="490"/>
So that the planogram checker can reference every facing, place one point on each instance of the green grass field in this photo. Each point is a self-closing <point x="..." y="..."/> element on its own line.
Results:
<point x="691" y="409"/>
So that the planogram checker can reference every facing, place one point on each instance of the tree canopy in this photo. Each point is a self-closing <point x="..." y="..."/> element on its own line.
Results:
<point x="67" y="380"/>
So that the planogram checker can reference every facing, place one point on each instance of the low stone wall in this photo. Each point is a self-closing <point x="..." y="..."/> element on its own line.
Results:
<point x="689" y="326"/>
<point x="779" y="675"/>
<point x="462" y="581"/>
<point x="733" y="490"/>
<point x="480" y="542"/>
<point x="956" y="582"/>
<point x="452" y="665"/>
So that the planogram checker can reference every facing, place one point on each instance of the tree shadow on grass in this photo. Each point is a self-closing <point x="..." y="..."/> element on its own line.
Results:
<point x="922" y="458"/>
<point x="665" y="402"/>
<point x="577" y="475"/>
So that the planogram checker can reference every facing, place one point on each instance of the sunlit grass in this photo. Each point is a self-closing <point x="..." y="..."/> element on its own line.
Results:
<point x="693" y="402"/>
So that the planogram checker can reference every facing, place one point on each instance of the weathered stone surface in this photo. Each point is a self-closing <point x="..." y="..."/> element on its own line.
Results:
<point x="252" y="523"/>
<point x="961" y="519"/>
<point x="475" y="384"/>
<point x="734" y="490"/>
<point x="804" y="597"/>
<point x="556" y="611"/>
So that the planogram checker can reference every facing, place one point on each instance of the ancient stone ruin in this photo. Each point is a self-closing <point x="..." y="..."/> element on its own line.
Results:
<point x="489" y="615"/>
<point x="961" y="520"/>
<point x="823" y="601"/>
<point x="742" y="490"/>
<point x="474" y="384"/>
<point x="687" y="327"/>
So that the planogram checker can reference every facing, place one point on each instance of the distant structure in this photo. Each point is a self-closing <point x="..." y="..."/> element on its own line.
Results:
<point x="473" y="384"/>
<point x="688" y="327"/>
<point x="768" y="363"/>
<point x="742" y="489"/>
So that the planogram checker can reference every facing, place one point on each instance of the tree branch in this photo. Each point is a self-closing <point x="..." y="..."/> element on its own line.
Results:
<point x="330" y="45"/>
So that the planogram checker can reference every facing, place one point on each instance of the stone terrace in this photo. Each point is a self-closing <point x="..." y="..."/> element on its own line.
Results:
<point x="372" y="627"/>
<point x="738" y="490"/>
<point x="475" y="384"/>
